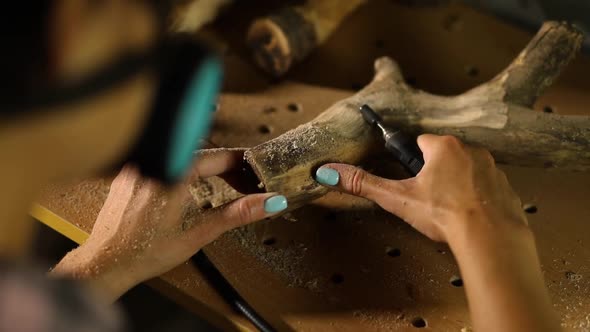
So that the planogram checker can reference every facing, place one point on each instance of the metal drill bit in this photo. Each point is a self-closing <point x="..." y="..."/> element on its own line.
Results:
<point x="401" y="145"/>
<point x="374" y="120"/>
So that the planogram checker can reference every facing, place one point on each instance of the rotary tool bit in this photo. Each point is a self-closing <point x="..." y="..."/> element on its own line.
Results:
<point x="402" y="145"/>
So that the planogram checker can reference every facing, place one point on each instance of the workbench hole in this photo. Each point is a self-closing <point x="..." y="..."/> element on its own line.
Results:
<point x="419" y="322"/>
<point x="264" y="129"/>
<point x="530" y="208"/>
<point x="269" y="110"/>
<point x="471" y="71"/>
<point x="548" y="109"/>
<point x="294" y="107"/>
<point x="266" y="39"/>
<point x="337" y="278"/>
<point x="269" y="241"/>
<point x="393" y="252"/>
<point x="456" y="281"/>
<point x="206" y="205"/>
<point x="330" y="216"/>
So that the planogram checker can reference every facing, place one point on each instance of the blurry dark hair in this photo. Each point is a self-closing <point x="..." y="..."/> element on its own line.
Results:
<point x="24" y="61"/>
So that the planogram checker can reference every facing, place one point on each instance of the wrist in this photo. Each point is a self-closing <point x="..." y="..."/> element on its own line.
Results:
<point x="502" y="275"/>
<point x="90" y="265"/>
<point x="483" y="233"/>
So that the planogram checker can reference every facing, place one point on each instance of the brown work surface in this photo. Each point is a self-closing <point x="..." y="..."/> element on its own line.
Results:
<point x="341" y="264"/>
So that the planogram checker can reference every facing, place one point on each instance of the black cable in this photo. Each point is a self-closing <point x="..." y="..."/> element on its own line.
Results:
<point x="228" y="293"/>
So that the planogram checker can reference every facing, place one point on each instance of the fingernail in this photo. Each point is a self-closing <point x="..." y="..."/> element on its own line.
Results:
<point x="275" y="204"/>
<point x="328" y="176"/>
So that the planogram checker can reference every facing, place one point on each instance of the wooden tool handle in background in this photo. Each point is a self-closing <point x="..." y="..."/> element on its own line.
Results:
<point x="286" y="37"/>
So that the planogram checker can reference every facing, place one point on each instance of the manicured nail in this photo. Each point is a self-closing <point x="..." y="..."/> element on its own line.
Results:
<point x="328" y="176"/>
<point x="275" y="204"/>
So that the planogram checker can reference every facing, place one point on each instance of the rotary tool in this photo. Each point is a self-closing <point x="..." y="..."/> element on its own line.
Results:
<point x="402" y="145"/>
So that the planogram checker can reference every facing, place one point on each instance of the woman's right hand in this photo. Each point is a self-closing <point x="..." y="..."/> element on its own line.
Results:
<point x="460" y="197"/>
<point x="458" y="186"/>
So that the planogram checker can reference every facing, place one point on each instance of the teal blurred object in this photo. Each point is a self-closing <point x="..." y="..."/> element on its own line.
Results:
<point x="194" y="117"/>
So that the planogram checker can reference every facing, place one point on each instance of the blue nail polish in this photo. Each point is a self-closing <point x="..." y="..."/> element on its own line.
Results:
<point x="275" y="204"/>
<point x="328" y="176"/>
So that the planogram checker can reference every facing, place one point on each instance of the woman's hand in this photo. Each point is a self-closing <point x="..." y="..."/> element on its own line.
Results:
<point x="457" y="186"/>
<point x="460" y="197"/>
<point x="145" y="229"/>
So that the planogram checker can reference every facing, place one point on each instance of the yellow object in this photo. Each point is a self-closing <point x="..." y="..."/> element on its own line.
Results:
<point x="58" y="223"/>
<point x="78" y="235"/>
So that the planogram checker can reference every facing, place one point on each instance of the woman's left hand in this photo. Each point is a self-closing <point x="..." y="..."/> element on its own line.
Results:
<point x="145" y="229"/>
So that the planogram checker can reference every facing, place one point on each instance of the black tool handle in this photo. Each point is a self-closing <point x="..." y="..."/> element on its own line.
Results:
<point x="404" y="147"/>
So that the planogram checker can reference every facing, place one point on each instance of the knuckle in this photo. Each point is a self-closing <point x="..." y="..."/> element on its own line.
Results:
<point x="244" y="210"/>
<point x="449" y="142"/>
<point x="356" y="181"/>
<point x="486" y="156"/>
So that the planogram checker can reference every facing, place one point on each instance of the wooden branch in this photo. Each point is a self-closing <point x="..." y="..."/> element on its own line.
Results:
<point x="539" y="63"/>
<point x="289" y="35"/>
<point x="491" y="115"/>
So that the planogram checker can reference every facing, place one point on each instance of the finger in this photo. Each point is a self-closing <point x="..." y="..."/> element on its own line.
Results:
<point x="242" y="211"/>
<point x="435" y="145"/>
<point x="483" y="157"/>
<point x="389" y="194"/>
<point x="213" y="162"/>
<point x="427" y="143"/>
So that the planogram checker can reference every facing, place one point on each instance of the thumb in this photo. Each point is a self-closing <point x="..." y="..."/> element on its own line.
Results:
<point x="391" y="195"/>
<point x="245" y="210"/>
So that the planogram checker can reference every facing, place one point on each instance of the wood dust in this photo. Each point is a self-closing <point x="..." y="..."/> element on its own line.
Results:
<point x="382" y="320"/>
<point x="292" y="147"/>
<point x="286" y="262"/>
<point x="568" y="288"/>
<point x="79" y="203"/>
